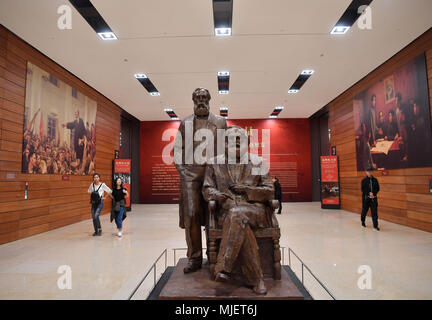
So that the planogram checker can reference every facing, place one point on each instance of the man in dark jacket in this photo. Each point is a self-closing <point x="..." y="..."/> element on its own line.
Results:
<point x="370" y="189"/>
<point x="278" y="193"/>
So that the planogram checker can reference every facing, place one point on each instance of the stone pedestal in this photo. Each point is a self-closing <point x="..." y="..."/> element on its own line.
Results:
<point x="199" y="286"/>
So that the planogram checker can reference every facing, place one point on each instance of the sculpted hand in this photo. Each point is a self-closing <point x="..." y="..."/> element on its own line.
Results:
<point x="222" y="196"/>
<point x="239" y="188"/>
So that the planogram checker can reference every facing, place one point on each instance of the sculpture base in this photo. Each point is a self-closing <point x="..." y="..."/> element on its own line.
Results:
<point x="199" y="286"/>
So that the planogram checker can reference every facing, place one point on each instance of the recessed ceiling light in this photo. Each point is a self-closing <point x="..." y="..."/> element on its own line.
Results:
<point x="293" y="91"/>
<point x="219" y="32"/>
<point x="223" y="108"/>
<point x="175" y="118"/>
<point x="223" y="91"/>
<point x="273" y="117"/>
<point x="340" y="30"/>
<point x="223" y="73"/>
<point x="168" y="110"/>
<point x="140" y="76"/>
<point x="307" y="72"/>
<point x="107" y="35"/>
<point x="154" y="94"/>
<point x="279" y="108"/>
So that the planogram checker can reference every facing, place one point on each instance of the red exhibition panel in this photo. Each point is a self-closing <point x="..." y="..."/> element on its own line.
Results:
<point x="122" y="169"/>
<point x="329" y="180"/>
<point x="290" y="158"/>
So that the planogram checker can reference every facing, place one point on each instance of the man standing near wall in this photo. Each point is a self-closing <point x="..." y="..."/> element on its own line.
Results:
<point x="192" y="206"/>
<point x="370" y="189"/>
<point x="278" y="193"/>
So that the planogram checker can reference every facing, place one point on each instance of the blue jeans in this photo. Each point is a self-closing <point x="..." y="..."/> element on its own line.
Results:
<point x="119" y="218"/>
<point x="96" y="210"/>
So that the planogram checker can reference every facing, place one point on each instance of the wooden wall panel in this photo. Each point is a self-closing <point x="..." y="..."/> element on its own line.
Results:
<point x="52" y="202"/>
<point x="404" y="196"/>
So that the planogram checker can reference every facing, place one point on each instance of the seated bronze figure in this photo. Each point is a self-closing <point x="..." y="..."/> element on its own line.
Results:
<point x="242" y="192"/>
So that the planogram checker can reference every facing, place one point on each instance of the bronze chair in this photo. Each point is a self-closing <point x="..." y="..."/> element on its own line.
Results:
<point x="267" y="238"/>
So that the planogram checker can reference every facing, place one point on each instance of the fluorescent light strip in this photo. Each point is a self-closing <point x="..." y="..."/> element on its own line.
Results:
<point x="223" y="81"/>
<point x="307" y="72"/>
<point x="223" y="74"/>
<point x="147" y="84"/>
<point x="222" y="32"/>
<point x="86" y="9"/>
<point x="340" y="30"/>
<point x="140" y="76"/>
<point x="222" y="17"/>
<point x="300" y="81"/>
<point x="349" y="17"/>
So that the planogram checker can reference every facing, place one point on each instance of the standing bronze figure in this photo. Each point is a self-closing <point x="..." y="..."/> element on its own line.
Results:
<point x="241" y="191"/>
<point x="192" y="206"/>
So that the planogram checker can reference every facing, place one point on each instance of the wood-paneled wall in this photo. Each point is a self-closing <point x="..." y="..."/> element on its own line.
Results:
<point x="52" y="202"/>
<point x="404" y="197"/>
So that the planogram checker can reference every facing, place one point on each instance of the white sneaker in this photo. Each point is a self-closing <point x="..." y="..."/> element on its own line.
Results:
<point x="119" y="234"/>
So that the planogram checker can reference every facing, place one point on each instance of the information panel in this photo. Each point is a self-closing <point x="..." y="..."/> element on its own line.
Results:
<point x="122" y="169"/>
<point x="330" y="193"/>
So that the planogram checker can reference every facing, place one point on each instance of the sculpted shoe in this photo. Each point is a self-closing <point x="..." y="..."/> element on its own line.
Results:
<point x="260" y="288"/>
<point x="222" y="277"/>
<point x="191" y="267"/>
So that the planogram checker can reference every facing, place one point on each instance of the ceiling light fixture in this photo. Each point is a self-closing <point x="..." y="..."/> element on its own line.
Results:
<point x="223" y="73"/>
<point x="350" y="16"/>
<point x="86" y="9"/>
<point x="107" y="35"/>
<point x="221" y="32"/>
<point x="340" y="29"/>
<point x="222" y="17"/>
<point x="140" y="76"/>
<point x="307" y="72"/>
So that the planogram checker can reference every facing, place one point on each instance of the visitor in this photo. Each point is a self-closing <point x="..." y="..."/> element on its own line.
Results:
<point x="97" y="190"/>
<point x="118" y="213"/>
<point x="370" y="189"/>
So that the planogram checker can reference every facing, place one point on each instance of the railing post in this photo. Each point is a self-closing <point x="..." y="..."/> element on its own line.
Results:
<point x="289" y="257"/>
<point x="302" y="274"/>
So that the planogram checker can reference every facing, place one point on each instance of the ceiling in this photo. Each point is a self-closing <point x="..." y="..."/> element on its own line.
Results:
<point x="174" y="44"/>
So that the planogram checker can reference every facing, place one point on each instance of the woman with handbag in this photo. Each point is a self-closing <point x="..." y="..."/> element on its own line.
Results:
<point x="97" y="190"/>
<point x="119" y="202"/>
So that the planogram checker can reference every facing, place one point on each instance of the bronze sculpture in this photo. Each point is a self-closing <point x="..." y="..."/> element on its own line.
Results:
<point x="241" y="194"/>
<point x="192" y="206"/>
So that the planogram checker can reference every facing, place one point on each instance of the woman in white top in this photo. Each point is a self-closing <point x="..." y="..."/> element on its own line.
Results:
<point x="97" y="190"/>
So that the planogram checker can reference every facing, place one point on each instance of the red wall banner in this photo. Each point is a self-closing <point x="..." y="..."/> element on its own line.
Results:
<point x="290" y="158"/>
<point x="330" y="181"/>
<point x="122" y="169"/>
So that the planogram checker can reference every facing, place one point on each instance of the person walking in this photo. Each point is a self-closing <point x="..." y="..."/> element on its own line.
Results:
<point x="118" y="212"/>
<point x="278" y="193"/>
<point x="370" y="189"/>
<point x="97" y="196"/>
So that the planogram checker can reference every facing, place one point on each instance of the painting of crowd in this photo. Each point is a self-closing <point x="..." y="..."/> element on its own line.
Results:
<point x="56" y="147"/>
<point x="392" y="120"/>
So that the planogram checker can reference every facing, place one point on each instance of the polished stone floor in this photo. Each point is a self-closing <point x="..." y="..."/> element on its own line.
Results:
<point x="394" y="263"/>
